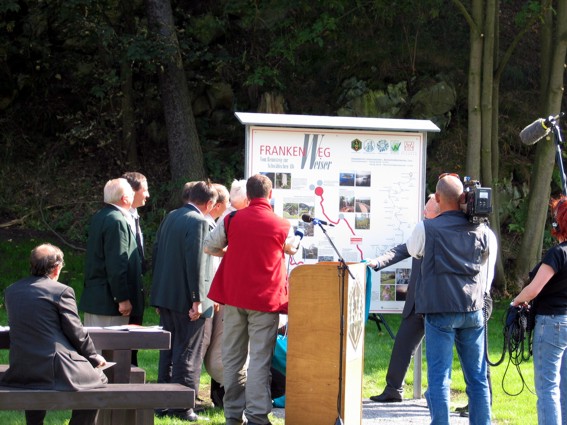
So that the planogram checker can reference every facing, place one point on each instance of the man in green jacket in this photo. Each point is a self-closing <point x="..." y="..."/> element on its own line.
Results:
<point x="113" y="268"/>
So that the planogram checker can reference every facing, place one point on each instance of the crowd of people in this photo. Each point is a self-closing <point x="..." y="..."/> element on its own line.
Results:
<point x="219" y="285"/>
<point x="230" y="328"/>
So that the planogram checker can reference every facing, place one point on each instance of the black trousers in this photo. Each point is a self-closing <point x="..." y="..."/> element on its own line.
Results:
<point x="407" y="340"/>
<point x="182" y="363"/>
<point x="79" y="417"/>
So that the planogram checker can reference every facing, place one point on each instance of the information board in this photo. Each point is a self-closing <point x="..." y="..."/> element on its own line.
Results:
<point x="366" y="183"/>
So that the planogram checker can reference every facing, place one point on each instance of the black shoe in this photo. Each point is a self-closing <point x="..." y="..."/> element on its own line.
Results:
<point x="160" y="413"/>
<point x="217" y="394"/>
<point x="386" y="398"/>
<point x="464" y="414"/>
<point x="462" y="409"/>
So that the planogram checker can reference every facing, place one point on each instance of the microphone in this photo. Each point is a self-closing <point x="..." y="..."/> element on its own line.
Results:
<point x="308" y="219"/>
<point x="537" y="130"/>
<point x="297" y="239"/>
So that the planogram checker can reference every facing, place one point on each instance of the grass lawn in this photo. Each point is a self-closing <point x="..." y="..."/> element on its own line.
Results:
<point x="506" y="409"/>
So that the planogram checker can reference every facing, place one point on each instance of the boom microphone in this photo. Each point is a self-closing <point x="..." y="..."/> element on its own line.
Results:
<point x="537" y="130"/>
<point x="308" y="219"/>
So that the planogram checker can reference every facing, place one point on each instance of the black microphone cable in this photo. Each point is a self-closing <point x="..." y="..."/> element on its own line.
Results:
<point x="519" y="323"/>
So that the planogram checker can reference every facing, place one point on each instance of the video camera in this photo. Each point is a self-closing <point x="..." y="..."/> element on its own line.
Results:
<point x="478" y="201"/>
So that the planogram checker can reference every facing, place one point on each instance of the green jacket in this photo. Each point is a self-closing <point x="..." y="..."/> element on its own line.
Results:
<point x="113" y="268"/>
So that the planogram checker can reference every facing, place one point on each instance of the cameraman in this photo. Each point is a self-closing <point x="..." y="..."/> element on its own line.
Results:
<point x="550" y="336"/>
<point x="450" y="294"/>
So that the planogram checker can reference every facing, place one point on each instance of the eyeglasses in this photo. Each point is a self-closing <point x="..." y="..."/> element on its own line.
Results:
<point x="448" y="174"/>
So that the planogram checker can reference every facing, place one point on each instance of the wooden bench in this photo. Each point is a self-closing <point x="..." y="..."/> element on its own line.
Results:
<point x="135" y="401"/>
<point x="137" y="374"/>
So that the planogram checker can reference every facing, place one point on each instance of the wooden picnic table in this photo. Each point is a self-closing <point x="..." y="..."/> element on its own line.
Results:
<point x="116" y="346"/>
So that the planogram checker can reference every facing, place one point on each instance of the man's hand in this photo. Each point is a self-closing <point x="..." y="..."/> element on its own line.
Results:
<point x="215" y="251"/>
<point x="290" y="249"/>
<point x="196" y="311"/>
<point x="101" y="360"/>
<point x="370" y="263"/>
<point x="125" y="307"/>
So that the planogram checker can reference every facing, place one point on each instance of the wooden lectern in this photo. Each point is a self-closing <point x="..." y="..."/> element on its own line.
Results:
<point x="316" y="376"/>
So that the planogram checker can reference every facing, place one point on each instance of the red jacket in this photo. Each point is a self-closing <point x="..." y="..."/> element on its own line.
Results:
<point x="252" y="274"/>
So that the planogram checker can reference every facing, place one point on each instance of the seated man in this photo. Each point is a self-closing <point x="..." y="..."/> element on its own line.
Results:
<point x="49" y="348"/>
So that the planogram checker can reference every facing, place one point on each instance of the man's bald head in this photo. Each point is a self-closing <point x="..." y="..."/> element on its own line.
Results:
<point x="448" y="193"/>
<point x="45" y="259"/>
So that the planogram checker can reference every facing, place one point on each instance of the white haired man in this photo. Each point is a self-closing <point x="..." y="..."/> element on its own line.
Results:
<point x="113" y="268"/>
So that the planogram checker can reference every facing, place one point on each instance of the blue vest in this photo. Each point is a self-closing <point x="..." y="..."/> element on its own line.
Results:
<point x="454" y="255"/>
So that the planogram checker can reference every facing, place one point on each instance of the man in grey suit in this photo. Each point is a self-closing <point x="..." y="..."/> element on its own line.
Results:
<point x="411" y="329"/>
<point x="49" y="348"/>
<point x="182" y="276"/>
<point x="113" y="269"/>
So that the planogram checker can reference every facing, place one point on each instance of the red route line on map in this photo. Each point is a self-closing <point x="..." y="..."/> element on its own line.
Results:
<point x="337" y="222"/>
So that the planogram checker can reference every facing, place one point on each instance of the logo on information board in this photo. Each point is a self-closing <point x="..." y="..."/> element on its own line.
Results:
<point x="369" y="145"/>
<point x="356" y="145"/>
<point x="409" y="146"/>
<point x="314" y="153"/>
<point x="395" y="146"/>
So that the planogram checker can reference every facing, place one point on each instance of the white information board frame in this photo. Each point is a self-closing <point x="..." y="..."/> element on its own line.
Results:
<point x="365" y="176"/>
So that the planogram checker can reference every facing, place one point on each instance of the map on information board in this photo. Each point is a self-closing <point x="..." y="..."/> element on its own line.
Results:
<point x="367" y="185"/>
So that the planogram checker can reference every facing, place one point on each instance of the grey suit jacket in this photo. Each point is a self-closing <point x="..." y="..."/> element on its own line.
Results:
<point x="49" y="348"/>
<point x="182" y="272"/>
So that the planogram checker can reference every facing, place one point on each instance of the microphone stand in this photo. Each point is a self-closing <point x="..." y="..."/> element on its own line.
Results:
<point x="341" y="268"/>
<point x="558" y="157"/>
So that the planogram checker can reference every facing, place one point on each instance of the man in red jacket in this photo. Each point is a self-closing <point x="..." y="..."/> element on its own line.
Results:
<point x="252" y="283"/>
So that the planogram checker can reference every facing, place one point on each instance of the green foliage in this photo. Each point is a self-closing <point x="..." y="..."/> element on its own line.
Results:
<point x="529" y="9"/>
<point x="15" y="254"/>
<point x="9" y="6"/>
<point x="108" y="84"/>
<point x="147" y="52"/>
<point x="223" y="168"/>
<point x="266" y="77"/>
<point x="519" y="215"/>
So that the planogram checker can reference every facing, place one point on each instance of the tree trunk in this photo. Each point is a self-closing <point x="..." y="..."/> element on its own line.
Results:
<point x="486" y="94"/>
<point x="129" y="145"/>
<point x="474" y="95"/>
<point x="489" y="166"/>
<point x="185" y="154"/>
<point x="272" y="103"/>
<point x="552" y="89"/>
<point x="129" y="142"/>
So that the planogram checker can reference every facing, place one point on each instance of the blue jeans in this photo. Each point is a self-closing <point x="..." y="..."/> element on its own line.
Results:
<point x="550" y="369"/>
<point x="466" y="331"/>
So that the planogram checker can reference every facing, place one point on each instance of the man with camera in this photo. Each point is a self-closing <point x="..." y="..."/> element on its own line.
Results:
<point x="454" y="271"/>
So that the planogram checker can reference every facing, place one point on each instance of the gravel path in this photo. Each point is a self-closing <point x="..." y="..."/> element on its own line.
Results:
<point x="408" y="412"/>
